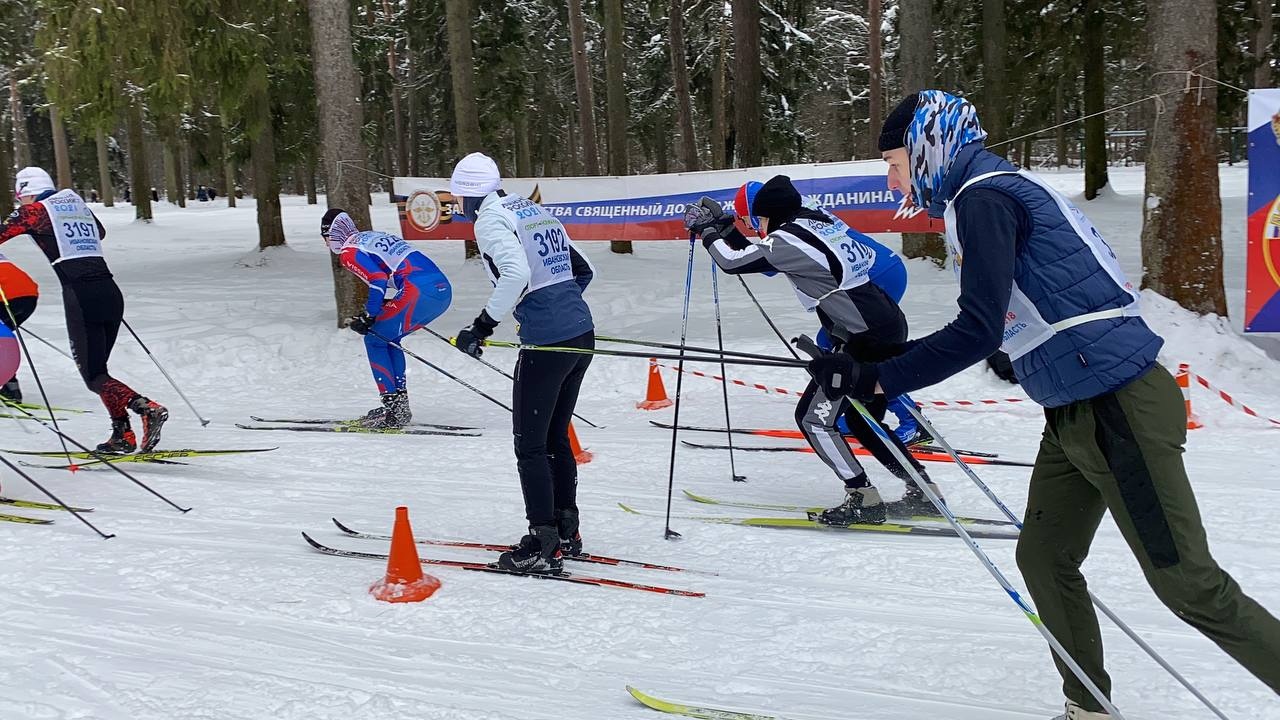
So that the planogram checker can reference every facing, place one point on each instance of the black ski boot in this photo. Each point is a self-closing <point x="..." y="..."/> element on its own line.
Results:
<point x="154" y="415"/>
<point x="570" y="538"/>
<point x="538" y="553"/>
<point x="11" y="392"/>
<point x="394" y="413"/>
<point x="862" y="506"/>
<point x="122" y="440"/>
<point x="914" y="501"/>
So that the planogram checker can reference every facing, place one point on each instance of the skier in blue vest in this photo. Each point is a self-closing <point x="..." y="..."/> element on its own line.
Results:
<point x="1038" y="281"/>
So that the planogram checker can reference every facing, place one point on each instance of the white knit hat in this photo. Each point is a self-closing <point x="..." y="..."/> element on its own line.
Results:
<point x="476" y="175"/>
<point x="32" y="181"/>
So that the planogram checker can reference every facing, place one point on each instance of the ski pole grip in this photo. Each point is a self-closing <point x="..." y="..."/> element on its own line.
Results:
<point x="807" y="346"/>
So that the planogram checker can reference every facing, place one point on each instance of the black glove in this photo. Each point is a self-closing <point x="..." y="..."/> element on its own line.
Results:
<point x="840" y="375"/>
<point x="361" y="323"/>
<point x="707" y="219"/>
<point x="470" y="338"/>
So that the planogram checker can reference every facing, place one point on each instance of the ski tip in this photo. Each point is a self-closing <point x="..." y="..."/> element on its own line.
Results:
<point x="341" y="527"/>
<point x="629" y="509"/>
<point x="311" y="541"/>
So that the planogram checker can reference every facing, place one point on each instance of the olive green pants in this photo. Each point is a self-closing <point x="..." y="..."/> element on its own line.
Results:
<point x="1122" y="452"/>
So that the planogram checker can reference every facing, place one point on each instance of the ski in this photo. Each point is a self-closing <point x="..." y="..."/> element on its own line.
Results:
<point x="152" y="456"/>
<point x="788" y="434"/>
<point x="859" y="450"/>
<point x="94" y="464"/>
<point x="585" y="557"/>
<point x="34" y="505"/>
<point x="485" y="567"/>
<point x="336" y="421"/>
<point x="11" y="416"/>
<point x="808" y="509"/>
<point x="24" y="520"/>
<point x="887" y="528"/>
<point x="693" y="711"/>
<point x="357" y="430"/>
<point x="45" y="409"/>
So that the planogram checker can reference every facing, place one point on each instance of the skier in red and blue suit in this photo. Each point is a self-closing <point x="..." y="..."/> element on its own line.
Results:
<point x="406" y="292"/>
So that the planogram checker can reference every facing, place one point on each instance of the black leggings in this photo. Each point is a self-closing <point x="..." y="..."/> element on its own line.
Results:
<point x="544" y="397"/>
<point x="94" y="310"/>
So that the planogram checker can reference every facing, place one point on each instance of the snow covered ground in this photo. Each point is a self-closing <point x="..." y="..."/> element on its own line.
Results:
<point x="224" y="612"/>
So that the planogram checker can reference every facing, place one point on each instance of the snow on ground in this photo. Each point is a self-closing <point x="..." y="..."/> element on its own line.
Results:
<point x="224" y="613"/>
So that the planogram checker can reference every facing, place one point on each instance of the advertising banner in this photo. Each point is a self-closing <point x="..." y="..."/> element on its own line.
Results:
<point x="1262" y="267"/>
<point x="651" y="207"/>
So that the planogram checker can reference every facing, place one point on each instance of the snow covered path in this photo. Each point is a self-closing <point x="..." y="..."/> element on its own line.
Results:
<point x="225" y="613"/>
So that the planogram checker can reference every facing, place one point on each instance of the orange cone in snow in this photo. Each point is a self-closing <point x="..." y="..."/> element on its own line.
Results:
<point x="1184" y="381"/>
<point x="656" y="395"/>
<point x="581" y="456"/>
<point x="405" y="581"/>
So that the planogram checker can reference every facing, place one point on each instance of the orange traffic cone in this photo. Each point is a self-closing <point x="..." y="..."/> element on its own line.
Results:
<point x="405" y="581"/>
<point x="656" y="395"/>
<point x="582" y="456"/>
<point x="1184" y="381"/>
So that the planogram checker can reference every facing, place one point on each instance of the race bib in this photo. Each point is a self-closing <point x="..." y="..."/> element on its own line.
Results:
<point x="390" y="249"/>
<point x="74" y="226"/>
<point x="546" y="244"/>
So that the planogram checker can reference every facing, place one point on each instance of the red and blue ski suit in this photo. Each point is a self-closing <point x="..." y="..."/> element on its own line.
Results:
<point x="406" y="292"/>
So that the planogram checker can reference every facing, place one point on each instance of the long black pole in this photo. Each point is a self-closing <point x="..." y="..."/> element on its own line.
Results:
<point x="31" y="365"/>
<point x="55" y="498"/>
<point x="690" y="348"/>
<point x="442" y="371"/>
<point x="498" y="370"/>
<point x="668" y="533"/>
<point x="203" y="422"/>
<point x="724" y="386"/>
<point x="768" y="319"/>
<point x="712" y="359"/>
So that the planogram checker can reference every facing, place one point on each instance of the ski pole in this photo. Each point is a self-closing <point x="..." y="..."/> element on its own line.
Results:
<point x="13" y="321"/>
<point x="55" y="498"/>
<point x="728" y="424"/>
<point x="442" y="371"/>
<point x="811" y="349"/>
<point x="668" y="533"/>
<point x="59" y="350"/>
<point x="499" y="370"/>
<point x="689" y="348"/>
<point x="105" y="458"/>
<point x="767" y="319"/>
<point x="770" y="362"/>
<point x="167" y="376"/>
<point x="995" y="499"/>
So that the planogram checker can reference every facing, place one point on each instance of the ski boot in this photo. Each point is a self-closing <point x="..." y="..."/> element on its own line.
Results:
<point x="153" y="416"/>
<point x="122" y="440"/>
<point x="911" y="436"/>
<point x="914" y="501"/>
<point x="1075" y="712"/>
<point x="570" y="538"/>
<point x="861" y="506"/>
<point x="11" y="392"/>
<point x="394" y="413"/>
<point x="538" y="553"/>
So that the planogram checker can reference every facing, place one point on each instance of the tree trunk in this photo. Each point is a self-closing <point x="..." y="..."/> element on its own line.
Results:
<point x="1182" y="215"/>
<point x="190" y="166"/>
<point x="915" y="68"/>
<point x="1095" y="98"/>
<point x="524" y="158"/>
<point x="462" y="72"/>
<point x="748" y="138"/>
<point x="61" y="153"/>
<point x="994" y="89"/>
<point x="343" y="151"/>
<point x="309" y="176"/>
<point x="266" y="189"/>
<point x="875" y="64"/>
<point x="582" y="79"/>
<point x="402" y="148"/>
<point x="411" y="99"/>
<point x="1262" y="44"/>
<point x="6" y="163"/>
<point x="105" y="189"/>
<point x="178" y="172"/>
<point x="615" y="82"/>
<point x="719" y="98"/>
<point x="680" y="78"/>
<point x="1059" y="120"/>
<point x="139" y="177"/>
<point x="21" y="144"/>
<point x="228" y="168"/>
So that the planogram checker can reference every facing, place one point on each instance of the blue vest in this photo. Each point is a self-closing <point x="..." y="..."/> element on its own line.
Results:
<point x="1063" y="279"/>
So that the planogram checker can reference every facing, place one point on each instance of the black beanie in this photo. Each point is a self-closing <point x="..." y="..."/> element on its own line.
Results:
<point x="893" y="134"/>
<point x="327" y="220"/>
<point x="778" y="200"/>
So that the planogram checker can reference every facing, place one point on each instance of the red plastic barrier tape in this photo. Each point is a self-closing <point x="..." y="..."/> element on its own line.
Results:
<point x="1227" y="398"/>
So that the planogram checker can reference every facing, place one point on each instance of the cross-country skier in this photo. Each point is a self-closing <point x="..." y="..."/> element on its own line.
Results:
<point x="70" y="235"/>
<point x="18" y="295"/>
<point x="828" y="268"/>
<point x="406" y="292"/>
<point x="539" y="277"/>
<point x="1037" y="280"/>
